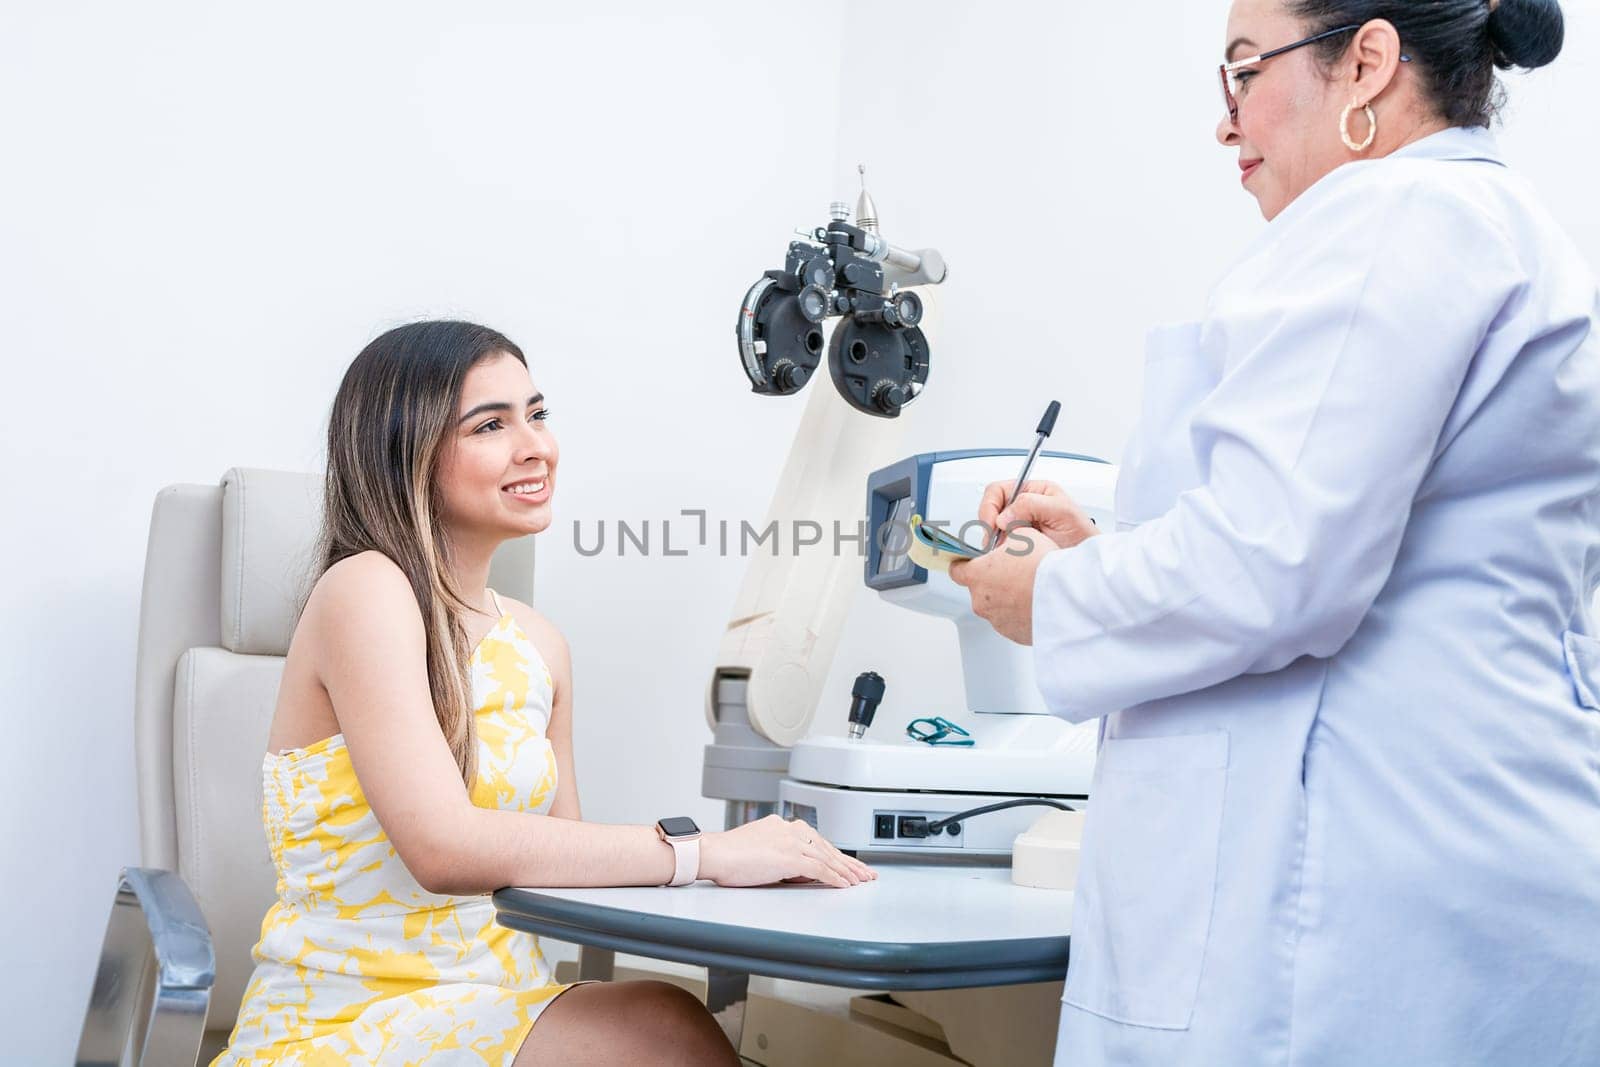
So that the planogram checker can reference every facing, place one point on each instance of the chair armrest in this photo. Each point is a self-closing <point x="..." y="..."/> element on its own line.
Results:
<point x="153" y="984"/>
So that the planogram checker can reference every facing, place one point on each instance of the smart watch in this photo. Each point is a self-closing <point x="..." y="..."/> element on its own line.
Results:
<point x="683" y="835"/>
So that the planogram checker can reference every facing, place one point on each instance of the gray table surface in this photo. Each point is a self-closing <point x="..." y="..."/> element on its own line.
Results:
<point x="914" y="928"/>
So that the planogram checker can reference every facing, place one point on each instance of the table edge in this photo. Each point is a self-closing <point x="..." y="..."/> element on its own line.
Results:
<point x="765" y="951"/>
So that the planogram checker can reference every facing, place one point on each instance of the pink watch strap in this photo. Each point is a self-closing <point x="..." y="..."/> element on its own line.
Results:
<point x="686" y="855"/>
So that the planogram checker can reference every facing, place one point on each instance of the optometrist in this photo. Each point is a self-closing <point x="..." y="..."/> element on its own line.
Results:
<point x="1347" y="803"/>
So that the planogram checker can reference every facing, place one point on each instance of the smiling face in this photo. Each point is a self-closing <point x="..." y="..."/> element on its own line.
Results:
<point x="1287" y="129"/>
<point x="497" y="471"/>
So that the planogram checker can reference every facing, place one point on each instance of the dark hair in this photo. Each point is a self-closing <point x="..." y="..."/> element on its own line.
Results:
<point x="1455" y="44"/>
<point x="389" y="426"/>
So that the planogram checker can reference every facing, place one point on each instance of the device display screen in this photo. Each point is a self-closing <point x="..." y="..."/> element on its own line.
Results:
<point x="895" y="537"/>
<point x="679" y="826"/>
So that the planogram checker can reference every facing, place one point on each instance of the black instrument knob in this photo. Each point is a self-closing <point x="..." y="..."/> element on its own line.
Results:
<point x="889" y="397"/>
<point x="908" y="308"/>
<point x="864" y="698"/>
<point x="814" y="303"/>
<point x="789" y="377"/>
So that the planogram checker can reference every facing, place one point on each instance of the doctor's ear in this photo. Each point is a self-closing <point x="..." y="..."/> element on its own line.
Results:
<point x="1373" y="58"/>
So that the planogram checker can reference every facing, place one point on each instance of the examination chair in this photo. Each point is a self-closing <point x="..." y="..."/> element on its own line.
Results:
<point x="225" y="570"/>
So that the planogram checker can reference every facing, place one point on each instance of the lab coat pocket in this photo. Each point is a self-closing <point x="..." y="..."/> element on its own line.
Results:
<point x="1142" y="913"/>
<point x="1583" y="663"/>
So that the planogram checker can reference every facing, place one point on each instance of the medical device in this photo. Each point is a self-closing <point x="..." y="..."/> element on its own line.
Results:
<point x="791" y="606"/>
<point x="878" y="358"/>
<point x="872" y="793"/>
<point x="897" y="794"/>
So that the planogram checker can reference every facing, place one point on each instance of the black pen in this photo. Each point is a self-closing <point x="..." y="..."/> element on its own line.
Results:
<point x="1046" y="426"/>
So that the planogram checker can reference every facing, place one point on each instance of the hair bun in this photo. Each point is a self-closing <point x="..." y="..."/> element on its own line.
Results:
<point x="1526" y="33"/>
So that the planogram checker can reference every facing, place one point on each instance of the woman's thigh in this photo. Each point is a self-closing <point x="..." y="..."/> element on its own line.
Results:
<point x="615" y="1022"/>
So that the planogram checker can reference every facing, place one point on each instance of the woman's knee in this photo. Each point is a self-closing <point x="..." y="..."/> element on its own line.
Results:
<point x="647" y="1022"/>
<point x="678" y="1027"/>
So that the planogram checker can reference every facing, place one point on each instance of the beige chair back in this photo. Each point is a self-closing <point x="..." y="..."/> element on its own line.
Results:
<point x="225" y="571"/>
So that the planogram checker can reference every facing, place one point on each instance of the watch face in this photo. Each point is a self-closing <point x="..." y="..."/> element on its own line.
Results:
<point x="679" y="826"/>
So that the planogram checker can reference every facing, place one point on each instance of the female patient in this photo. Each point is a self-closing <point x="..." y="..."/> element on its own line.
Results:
<point x="421" y="755"/>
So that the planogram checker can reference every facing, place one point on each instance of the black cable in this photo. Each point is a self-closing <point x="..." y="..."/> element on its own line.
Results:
<point x="940" y="824"/>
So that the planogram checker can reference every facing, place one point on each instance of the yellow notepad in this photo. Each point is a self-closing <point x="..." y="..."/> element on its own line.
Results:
<point x="935" y="549"/>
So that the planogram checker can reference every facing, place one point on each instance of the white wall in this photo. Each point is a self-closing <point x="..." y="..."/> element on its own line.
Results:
<point x="205" y="212"/>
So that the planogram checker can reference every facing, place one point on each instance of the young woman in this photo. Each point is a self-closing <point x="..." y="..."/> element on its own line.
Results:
<point x="421" y="755"/>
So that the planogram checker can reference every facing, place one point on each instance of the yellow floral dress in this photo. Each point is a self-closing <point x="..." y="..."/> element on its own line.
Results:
<point x="357" y="963"/>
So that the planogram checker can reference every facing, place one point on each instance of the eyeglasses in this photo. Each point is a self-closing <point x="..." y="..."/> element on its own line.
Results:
<point x="1230" y="84"/>
<point x="938" y="731"/>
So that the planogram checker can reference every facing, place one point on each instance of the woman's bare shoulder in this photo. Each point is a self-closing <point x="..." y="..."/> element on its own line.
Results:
<point x="367" y="587"/>
<point x="339" y="614"/>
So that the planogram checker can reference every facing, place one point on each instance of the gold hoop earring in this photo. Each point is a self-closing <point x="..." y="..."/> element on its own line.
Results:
<point x="1344" y="128"/>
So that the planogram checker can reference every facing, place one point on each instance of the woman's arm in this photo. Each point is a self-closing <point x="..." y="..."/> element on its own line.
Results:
<point x="1344" y="368"/>
<point x="370" y="654"/>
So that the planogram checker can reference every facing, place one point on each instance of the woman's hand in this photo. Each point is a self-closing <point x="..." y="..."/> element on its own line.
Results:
<point x="777" y="850"/>
<point x="1043" y="506"/>
<point x="1001" y="582"/>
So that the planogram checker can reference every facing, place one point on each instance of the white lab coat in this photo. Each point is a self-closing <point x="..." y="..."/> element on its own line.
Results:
<point x="1349" y="811"/>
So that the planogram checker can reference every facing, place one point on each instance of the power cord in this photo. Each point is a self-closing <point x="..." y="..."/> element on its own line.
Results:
<point x="915" y="826"/>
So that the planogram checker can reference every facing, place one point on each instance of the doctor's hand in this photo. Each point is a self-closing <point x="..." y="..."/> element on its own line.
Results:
<point x="775" y="849"/>
<point x="1044" y="506"/>
<point x="1001" y="582"/>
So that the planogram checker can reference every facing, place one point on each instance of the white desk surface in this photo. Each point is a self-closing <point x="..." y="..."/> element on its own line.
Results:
<point x="906" y="905"/>
<point x="915" y="926"/>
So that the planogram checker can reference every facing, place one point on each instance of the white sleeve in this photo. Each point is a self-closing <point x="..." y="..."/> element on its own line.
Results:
<point x="1342" y="368"/>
